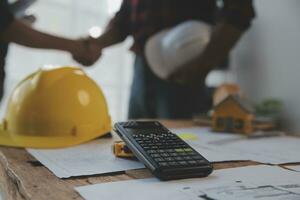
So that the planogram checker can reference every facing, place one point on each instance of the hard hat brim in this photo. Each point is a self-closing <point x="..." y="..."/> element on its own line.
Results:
<point x="40" y="142"/>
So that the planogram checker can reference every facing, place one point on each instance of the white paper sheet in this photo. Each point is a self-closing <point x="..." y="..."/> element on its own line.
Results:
<point x="87" y="159"/>
<point x="225" y="147"/>
<point x="274" y="150"/>
<point x="247" y="183"/>
<point x="96" y="157"/>
<point x="294" y="167"/>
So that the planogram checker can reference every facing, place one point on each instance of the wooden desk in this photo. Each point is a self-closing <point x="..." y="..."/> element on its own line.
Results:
<point x="22" y="177"/>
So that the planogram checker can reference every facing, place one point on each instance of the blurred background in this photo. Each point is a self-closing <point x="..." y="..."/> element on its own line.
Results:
<point x="265" y="63"/>
<point x="74" y="18"/>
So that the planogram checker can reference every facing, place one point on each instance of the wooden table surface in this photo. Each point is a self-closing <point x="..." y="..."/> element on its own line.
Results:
<point x="23" y="177"/>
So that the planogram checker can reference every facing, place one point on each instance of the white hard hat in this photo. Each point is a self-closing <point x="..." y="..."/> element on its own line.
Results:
<point x="169" y="49"/>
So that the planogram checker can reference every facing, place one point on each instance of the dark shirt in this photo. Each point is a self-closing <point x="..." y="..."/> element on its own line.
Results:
<point x="143" y="18"/>
<point x="6" y="18"/>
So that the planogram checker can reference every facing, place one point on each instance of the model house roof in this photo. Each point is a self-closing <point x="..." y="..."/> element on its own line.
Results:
<point x="239" y="101"/>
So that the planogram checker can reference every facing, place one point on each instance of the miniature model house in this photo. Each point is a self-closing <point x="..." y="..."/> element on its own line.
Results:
<point x="233" y="115"/>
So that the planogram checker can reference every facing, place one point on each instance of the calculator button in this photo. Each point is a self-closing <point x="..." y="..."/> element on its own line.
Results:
<point x="197" y="157"/>
<point x="179" y="146"/>
<point x="182" y="154"/>
<point x="201" y="162"/>
<point x="179" y="150"/>
<point x="174" y="154"/>
<point x="173" y="163"/>
<point x="151" y="151"/>
<point x="163" y="164"/>
<point x="192" y="162"/>
<point x="193" y="153"/>
<point x="183" y="163"/>
<point x="170" y="150"/>
<point x="154" y="155"/>
<point x="188" y="158"/>
<point x="158" y="159"/>
<point x="178" y="158"/>
<point x="169" y="159"/>
<point x="188" y="150"/>
<point x="165" y="155"/>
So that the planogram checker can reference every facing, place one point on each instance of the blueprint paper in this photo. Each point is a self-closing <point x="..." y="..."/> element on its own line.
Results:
<point x="227" y="147"/>
<point x="95" y="157"/>
<point x="273" y="150"/>
<point x="216" y="154"/>
<point x="247" y="183"/>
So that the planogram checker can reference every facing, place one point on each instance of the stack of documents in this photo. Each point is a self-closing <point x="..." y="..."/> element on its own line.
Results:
<point x="96" y="157"/>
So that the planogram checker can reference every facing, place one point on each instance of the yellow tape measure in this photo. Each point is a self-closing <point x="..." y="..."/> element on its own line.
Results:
<point x="120" y="149"/>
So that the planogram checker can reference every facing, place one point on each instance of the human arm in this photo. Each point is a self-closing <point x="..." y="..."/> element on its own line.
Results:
<point x="14" y="30"/>
<point x="117" y="29"/>
<point x="110" y="37"/>
<point x="22" y="34"/>
<point x="115" y="32"/>
<point x="236" y="18"/>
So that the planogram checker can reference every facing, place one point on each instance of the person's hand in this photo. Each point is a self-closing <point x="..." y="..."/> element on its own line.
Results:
<point x="87" y="52"/>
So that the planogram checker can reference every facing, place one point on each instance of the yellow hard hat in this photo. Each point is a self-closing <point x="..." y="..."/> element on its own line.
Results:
<point x="54" y="108"/>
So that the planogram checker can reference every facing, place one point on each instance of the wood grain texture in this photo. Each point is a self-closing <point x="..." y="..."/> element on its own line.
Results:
<point x="23" y="178"/>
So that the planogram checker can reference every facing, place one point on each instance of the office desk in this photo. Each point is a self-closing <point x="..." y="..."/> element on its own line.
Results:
<point x="22" y="177"/>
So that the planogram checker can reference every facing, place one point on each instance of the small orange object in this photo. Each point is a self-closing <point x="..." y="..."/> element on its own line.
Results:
<point x="120" y="149"/>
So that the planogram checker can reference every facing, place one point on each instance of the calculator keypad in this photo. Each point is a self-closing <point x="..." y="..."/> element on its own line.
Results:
<point x="167" y="149"/>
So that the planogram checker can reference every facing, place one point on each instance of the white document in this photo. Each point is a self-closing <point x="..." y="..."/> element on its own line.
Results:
<point x="247" y="183"/>
<point x="227" y="147"/>
<point x="95" y="157"/>
<point x="274" y="150"/>
<point x="216" y="154"/>
<point x="294" y="167"/>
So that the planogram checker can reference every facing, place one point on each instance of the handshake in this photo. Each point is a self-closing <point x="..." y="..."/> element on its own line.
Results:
<point x="86" y="51"/>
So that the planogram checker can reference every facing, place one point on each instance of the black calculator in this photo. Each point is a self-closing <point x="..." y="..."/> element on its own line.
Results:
<point x="166" y="155"/>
